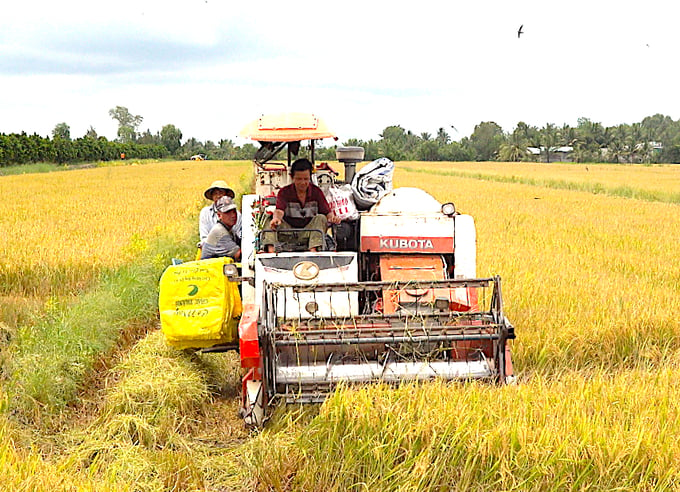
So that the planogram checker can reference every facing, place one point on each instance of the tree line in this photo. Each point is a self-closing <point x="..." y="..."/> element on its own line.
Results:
<point x="20" y="148"/>
<point x="656" y="139"/>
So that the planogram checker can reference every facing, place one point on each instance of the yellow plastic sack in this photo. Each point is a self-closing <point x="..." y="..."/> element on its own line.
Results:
<point x="198" y="305"/>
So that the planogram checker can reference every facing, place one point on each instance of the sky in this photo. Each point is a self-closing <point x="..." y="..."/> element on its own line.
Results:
<point x="209" y="67"/>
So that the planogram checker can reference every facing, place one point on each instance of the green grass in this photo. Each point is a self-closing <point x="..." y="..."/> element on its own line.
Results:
<point x="47" y="361"/>
<point x="50" y="167"/>
<point x="40" y="167"/>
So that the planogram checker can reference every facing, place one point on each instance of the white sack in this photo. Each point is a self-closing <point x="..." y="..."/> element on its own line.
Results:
<point x="372" y="182"/>
<point x="341" y="201"/>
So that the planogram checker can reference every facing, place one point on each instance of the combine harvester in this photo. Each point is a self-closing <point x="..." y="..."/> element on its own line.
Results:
<point x="397" y="300"/>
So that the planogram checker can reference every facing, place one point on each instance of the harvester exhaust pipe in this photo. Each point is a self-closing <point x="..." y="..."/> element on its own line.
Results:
<point x="349" y="156"/>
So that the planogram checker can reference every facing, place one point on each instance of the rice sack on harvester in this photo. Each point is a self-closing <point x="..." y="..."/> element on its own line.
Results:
<point x="199" y="307"/>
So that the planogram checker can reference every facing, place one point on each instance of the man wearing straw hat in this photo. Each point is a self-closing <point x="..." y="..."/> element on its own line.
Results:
<point x="208" y="217"/>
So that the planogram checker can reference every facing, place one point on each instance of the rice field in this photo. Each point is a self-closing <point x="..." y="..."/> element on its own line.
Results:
<point x="659" y="182"/>
<point x="591" y="271"/>
<point x="590" y="280"/>
<point x="60" y="230"/>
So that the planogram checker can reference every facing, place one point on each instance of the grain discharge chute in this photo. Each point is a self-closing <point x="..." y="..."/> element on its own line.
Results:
<point x="396" y="298"/>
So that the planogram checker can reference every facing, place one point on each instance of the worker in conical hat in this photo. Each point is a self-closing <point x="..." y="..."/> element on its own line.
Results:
<point x="223" y="240"/>
<point x="208" y="217"/>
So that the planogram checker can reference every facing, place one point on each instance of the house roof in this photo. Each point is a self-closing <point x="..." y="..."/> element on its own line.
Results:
<point x="537" y="150"/>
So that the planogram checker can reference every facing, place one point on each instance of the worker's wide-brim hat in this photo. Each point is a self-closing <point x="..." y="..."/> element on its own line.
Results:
<point x="218" y="185"/>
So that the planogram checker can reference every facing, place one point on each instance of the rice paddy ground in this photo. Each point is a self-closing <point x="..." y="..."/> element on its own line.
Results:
<point x="91" y="398"/>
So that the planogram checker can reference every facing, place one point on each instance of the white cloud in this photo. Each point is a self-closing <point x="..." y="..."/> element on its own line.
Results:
<point x="210" y="67"/>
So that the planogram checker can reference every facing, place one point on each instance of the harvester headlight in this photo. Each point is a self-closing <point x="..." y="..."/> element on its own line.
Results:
<point x="230" y="270"/>
<point x="312" y="307"/>
<point x="441" y="303"/>
<point x="448" y="209"/>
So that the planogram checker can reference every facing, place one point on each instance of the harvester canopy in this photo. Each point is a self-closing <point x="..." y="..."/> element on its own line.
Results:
<point x="277" y="131"/>
<point x="287" y="127"/>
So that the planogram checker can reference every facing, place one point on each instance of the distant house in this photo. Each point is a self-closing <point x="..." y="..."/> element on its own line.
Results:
<point x="561" y="154"/>
<point x="557" y="154"/>
<point x="643" y="152"/>
<point x="654" y="147"/>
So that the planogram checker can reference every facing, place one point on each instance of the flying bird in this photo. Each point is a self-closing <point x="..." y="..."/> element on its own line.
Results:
<point x="519" y="31"/>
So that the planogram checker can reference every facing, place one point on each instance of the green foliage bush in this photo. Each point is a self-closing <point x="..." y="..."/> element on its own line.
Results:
<point x="27" y="149"/>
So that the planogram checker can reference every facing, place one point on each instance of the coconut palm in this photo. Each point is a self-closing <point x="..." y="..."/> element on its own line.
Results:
<point x="549" y="139"/>
<point x="514" y="149"/>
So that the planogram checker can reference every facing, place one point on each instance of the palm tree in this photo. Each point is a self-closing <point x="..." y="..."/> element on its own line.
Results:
<point x="615" y="151"/>
<point x="514" y="149"/>
<point x="549" y="139"/>
<point x="442" y="137"/>
<point x="634" y="141"/>
<point x="591" y="136"/>
<point x="568" y="135"/>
